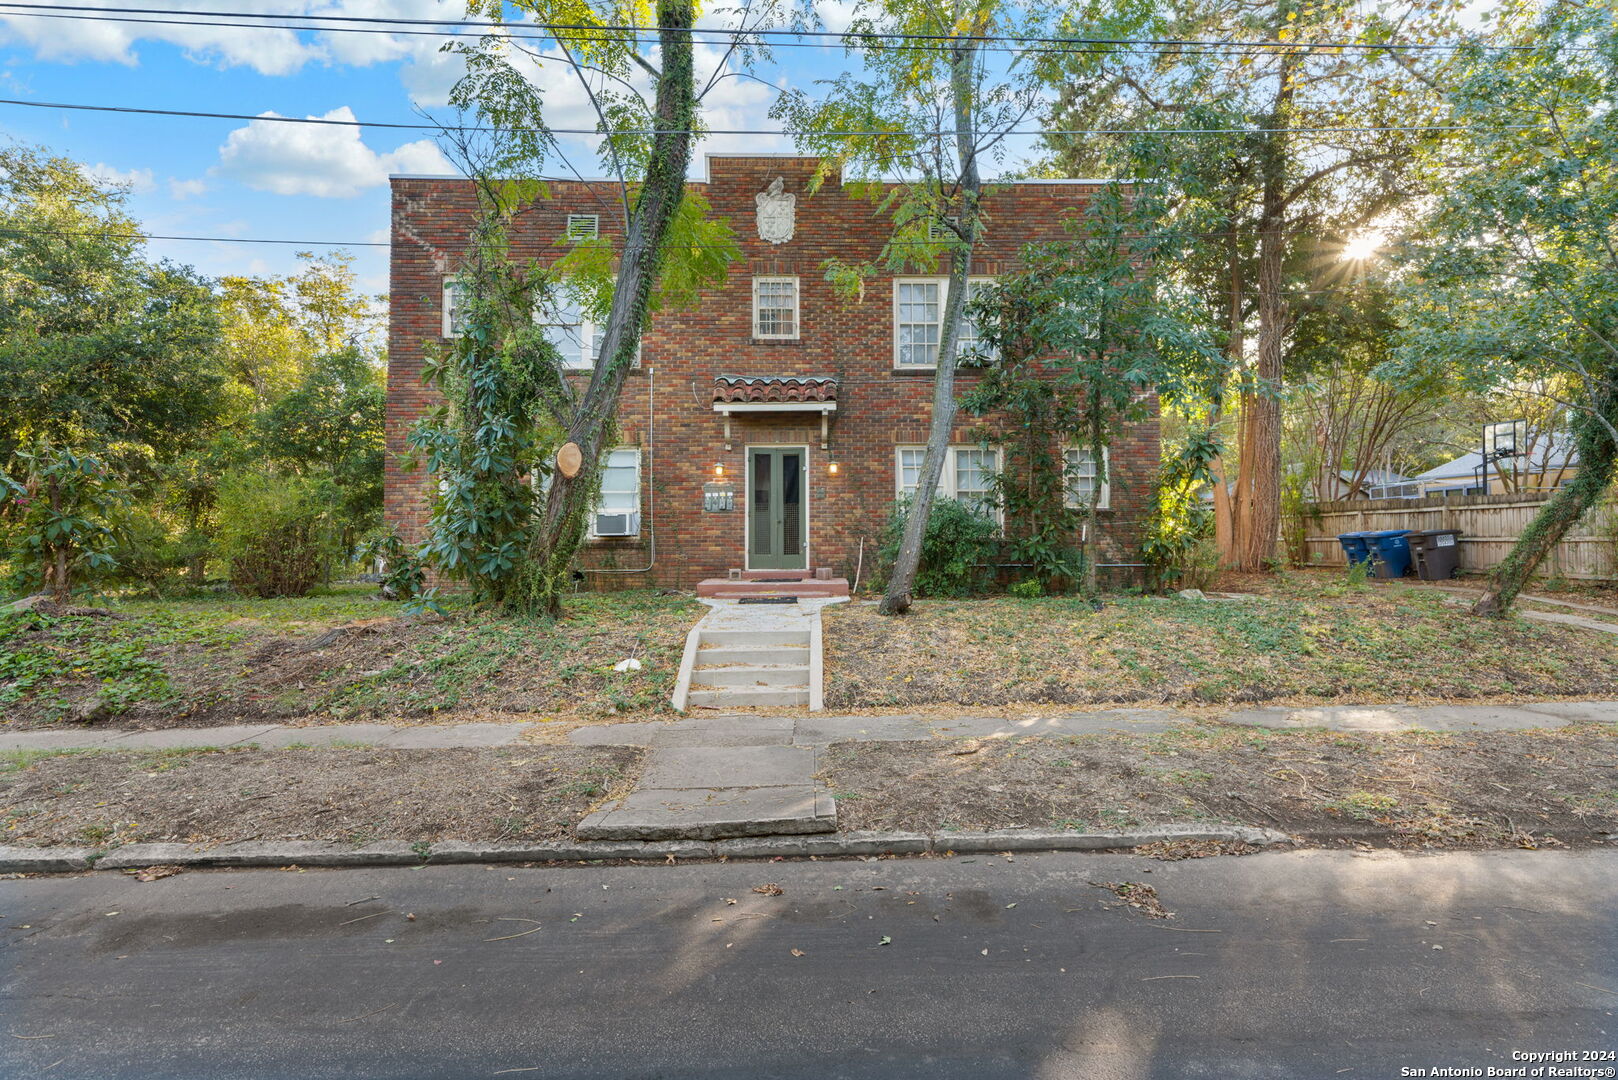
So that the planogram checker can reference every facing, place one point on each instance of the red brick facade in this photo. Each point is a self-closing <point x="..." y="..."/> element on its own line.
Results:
<point x="668" y="404"/>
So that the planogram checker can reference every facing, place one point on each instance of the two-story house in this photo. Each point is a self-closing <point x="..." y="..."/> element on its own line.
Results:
<point x="772" y="425"/>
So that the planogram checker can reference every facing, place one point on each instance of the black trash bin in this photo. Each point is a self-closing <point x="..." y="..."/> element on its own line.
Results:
<point x="1437" y="553"/>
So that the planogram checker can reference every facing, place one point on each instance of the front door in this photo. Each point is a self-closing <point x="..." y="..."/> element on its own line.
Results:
<point x="776" y="518"/>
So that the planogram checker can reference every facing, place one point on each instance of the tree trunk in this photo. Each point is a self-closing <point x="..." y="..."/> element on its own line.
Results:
<point x="1235" y="350"/>
<point x="1597" y="456"/>
<point x="561" y="527"/>
<point x="1092" y="510"/>
<point x="902" y="581"/>
<point x="56" y="554"/>
<point x="1258" y="508"/>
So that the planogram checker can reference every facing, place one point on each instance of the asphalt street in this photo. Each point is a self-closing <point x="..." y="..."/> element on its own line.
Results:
<point x="1296" y="965"/>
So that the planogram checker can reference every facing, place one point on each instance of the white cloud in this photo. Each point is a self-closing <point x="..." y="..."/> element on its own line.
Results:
<point x="180" y="190"/>
<point x="137" y="181"/>
<point x="329" y="162"/>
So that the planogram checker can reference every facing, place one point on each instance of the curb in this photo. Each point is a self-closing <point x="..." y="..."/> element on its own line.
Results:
<point x="22" y="860"/>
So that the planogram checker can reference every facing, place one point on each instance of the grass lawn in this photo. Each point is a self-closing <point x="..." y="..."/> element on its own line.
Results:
<point x="1297" y="639"/>
<point x="354" y="795"/>
<point x="1413" y="789"/>
<point x="216" y="661"/>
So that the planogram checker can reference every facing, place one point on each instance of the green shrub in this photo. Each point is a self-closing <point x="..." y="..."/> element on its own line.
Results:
<point x="956" y="550"/>
<point x="1029" y="589"/>
<point x="276" y="536"/>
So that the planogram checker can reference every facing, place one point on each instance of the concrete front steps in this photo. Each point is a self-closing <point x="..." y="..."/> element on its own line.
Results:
<point x="751" y="669"/>
<point x="759" y="583"/>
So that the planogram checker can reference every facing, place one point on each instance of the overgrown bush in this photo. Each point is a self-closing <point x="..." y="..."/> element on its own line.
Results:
<point x="956" y="551"/>
<point x="276" y="536"/>
<point x="1179" y="548"/>
<point x="403" y="573"/>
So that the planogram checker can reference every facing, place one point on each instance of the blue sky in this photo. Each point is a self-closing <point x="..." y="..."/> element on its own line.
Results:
<point x="289" y="181"/>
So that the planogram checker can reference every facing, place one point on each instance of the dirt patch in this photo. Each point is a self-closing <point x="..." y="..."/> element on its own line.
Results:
<point x="191" y="666"/>
<point x="353" y="796"/>
<point x="1301" y="641"/>
<point x="1404" y="790"/>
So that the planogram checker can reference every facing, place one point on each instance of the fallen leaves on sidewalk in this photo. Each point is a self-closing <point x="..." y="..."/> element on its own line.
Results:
<point x="769" y="888"/>
<point x="154" y="873"/>
<point x="1138" y="895"/>
<point x="799" y="952"/>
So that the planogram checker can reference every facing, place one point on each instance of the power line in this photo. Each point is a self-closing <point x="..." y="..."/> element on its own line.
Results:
<point x="104" y="235"/>
<point x="835" y="37"/>
<point x="396" y="125"/>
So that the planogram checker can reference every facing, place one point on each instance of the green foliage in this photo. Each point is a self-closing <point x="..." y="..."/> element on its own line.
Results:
<point x="957" y="550"/>
<point x="58" y="519"/>
<point x="1027" y="589"/>
<point x="1178" y="545"/>
<point x="403" y="573"/>
<point x="276" y="534"/>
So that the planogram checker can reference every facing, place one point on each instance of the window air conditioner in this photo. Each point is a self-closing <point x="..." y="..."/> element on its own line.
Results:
<point x="621" y="524"/>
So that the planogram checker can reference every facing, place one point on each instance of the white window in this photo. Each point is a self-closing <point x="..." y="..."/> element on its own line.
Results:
<point x="967" y="477"/>
<point x="566" y="327"/>
<point x="454" y="307"/>
<point x="583" y="227"/>
<point x="971" y="345"/>
<point x="918" y="321"/>
<point x="1079" y="467"/>
<point x="775" y="307"/>
<point x="620" y="485"/>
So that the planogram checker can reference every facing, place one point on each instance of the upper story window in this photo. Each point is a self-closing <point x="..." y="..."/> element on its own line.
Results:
<point x="1083" y="483"/>
<point x="967" y="477"/>
<point x="775" y="307"/>
<point x="567" y="328"/>
<point x="972" y="345"/>
<point x="583" y="227"/>
<point x="918" y="321"/>
<point x="454" y="307"/>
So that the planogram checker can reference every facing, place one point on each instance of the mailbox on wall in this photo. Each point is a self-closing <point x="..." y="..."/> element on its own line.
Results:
<point x="718" y="497"/>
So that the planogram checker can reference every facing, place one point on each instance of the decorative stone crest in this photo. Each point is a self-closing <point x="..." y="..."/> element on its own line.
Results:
<point x="776" y="211"/>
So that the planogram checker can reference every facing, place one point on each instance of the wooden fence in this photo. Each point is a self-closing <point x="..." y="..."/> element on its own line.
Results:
<point x="1489" y="525"/>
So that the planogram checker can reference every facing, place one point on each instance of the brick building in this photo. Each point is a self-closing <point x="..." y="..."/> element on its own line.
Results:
<point x="772" y="425"/>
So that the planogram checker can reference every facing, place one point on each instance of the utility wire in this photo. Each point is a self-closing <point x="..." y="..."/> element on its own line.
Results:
<point x="722" y="131"/>
<point x="833" y="37"/>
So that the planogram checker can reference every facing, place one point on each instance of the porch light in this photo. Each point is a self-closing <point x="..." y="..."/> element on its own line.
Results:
<point x="718" y="469"/>
<point x="831" y="467"/>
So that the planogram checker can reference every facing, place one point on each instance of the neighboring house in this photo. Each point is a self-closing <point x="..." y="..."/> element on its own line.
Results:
<point x="1375" y="484"/>
<point x="1549" y="463"/>
<point x="772" y="425"/>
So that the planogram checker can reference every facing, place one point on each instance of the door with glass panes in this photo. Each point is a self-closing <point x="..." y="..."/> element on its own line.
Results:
<point x="777" y="508"/>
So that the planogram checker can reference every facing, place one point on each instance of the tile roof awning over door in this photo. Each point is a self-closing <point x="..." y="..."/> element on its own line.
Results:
<point x="774" y="393"/>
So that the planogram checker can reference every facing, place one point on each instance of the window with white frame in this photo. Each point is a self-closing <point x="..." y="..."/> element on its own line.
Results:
<point x="1083" y="485"/>
<point x="775" y="307"/>
<point x="972" y="346"/>
<point x="918" y="315"/>
<point x="918" y="321"/>
<point x="454" y="307"/>
<point x="620" y="484"/>
<point x="967" y="476"/>
<point x="565" y="326"/>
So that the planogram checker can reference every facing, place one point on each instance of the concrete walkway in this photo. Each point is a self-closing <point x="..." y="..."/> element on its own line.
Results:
<point x="714" y="777"/>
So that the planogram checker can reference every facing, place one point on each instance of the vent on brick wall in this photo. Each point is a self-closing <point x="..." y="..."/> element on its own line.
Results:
<point x="583" y="226"/>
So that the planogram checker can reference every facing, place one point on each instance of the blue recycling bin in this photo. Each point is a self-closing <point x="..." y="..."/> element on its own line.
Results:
<point x="1390" y="552"/>
<point x="1355" y="547"/>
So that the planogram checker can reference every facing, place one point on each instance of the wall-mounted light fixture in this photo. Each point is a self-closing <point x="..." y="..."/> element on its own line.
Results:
<point x="831" y="468"/>
<point x="718" y="469"/>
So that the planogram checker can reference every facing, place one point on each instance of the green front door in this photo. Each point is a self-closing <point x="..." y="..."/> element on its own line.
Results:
<point x="775" y="510"/>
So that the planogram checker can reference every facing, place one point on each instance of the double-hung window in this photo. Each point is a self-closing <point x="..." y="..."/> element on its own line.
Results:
<point x="972" y="346"/>
<point x="918" y="321"/>
<point x="775" y="308"/>
<point x="566" y="327"/>
<point x="1086" y="484"/>
<point x="454" y="307"/>
<point x="620" y="490"/>
<point x="967" y="477"/>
